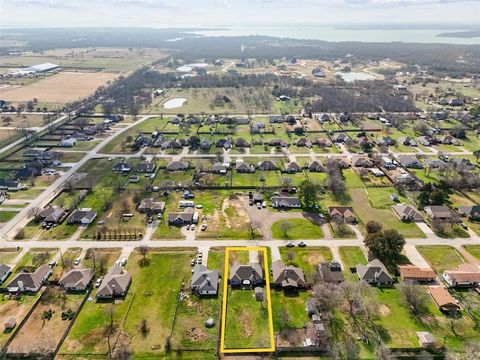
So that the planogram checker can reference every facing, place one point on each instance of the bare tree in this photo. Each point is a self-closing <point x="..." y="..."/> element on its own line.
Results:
<point x="143" y="250"/>
<point x="253" y="226"/>
<point x="285" y="226"/>
<point x="415" y="298"/>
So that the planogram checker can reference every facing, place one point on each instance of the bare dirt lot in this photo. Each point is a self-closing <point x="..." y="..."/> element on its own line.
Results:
<point x="60" y="88"/>
<point x="41" y="333"/>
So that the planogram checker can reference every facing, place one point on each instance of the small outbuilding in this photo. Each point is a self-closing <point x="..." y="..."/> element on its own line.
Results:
<point x="9" y="324"/>
<point x="425" y="339"/>
<point x="259" y="295"/>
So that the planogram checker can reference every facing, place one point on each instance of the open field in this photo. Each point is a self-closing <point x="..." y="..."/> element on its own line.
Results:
<point x="110" y="59"/>
<point x="386" y="217"/>
<point x="441" y="257"/>
<point x="293" y="229"/>
<point x="60" y="88"/>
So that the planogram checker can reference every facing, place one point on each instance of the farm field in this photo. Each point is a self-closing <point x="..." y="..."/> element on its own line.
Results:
<point x="59" y="89"/>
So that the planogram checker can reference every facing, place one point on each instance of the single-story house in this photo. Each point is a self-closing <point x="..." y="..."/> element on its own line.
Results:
<point x="150" y="206"/>
<point x="267" y="165"/>
<point x="204" y="281"/>
<point x="243" y="167"/>
<point x="316" y="166"/>
<point x="68" y="143"/>
<point x="439" y="212"/>
<point x="324" y="142"/>
<point x="304" y="142"/>
<point x="387" y="163"/>
<point x="407" y="141"/>
<point x="219" y="168"/>
<point x="10" y="185"/>
<point x="465" y="275"/>
<point x="287" y="277"/>
<point x="286" y="202"/>
<point x="257" y="197"/>
<point x="29" y="282"/>
<point x="177" y="166"/>
<point x="342" y="212"/>
<point x="410" y="162"/>
<point x="52" y="214"/>
<point x="374" y="273"/>
<point x="340" y="137"/>
<point x="414" y="274"/>
<point x="407" y="212"/>
<point x="278" y="142"/>
<point x="114" y="284"/>
<point x="242" y="143"/>
<point x="146" y="167"/>
<point x="82" y="216"/>
<point x="443" y="299"/>
<point x="250" y="274"/>
<point x="292" y="167"/>
<point x="5" y="272"/>
<point x="435" y="163"/>
<point x="331" y="272"/>
<point x="77" y="279"/>
<point x="471" y="212"/>
<point x="187" y="216"/>
<point x="362" y="161"/>
<point x="122" y="167"/>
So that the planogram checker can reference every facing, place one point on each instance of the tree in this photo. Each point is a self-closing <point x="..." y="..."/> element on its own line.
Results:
<point x="285" y="226"/>
<point x="307" y="192"/>
<point x="432" y="195"/>
<point x="383" y="352"/>
<point x="385" y="245"/>
<point x="415" y="297"/>
<point x="40" y="258"/>
<point x="144" y="328"/>
<point x="7" y="119"/>
<point x="286" y="182"/>
<point x="458" y="131"/>
<point x="254" y="225"/>
<point x="143" y="250"/>
<point x="476" y="153"/>
<point x="373" y="227"/>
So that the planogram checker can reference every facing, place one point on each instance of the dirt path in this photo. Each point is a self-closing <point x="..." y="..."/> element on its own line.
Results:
<point x="469" y="257"/>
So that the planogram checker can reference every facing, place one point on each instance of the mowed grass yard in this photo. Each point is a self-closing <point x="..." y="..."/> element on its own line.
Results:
<point x="306" y="258"/>
<point x="351" y="256"/>
<point x="297" y="229"/>
<point x="441" y="257"/>
<point x="151" y="297"/>
<point x="474" y="250"/>
<point x="246" y="321"/>
<point x="189" y="332"/>
<point x="386" y="217"/>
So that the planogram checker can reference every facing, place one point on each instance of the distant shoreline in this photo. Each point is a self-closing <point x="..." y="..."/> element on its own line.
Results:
<point x="461" y="34"/>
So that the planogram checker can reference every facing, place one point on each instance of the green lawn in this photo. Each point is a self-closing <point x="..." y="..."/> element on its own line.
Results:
<point x="8" y="255"/>
<point x="441" y="257"/>
<point x="352" y="179"/>
<point x="306" y="258"/>
<point x="386" y="217"/>
<point x="299" y="229"/>
<point x="473" y="249"/>
<point x="7" y="215"/>
<point x="381" y="197"/>
<point x="351" y="256"/>
<point x="292" y="304"/>
<point x="152" y="296"/>
<point x="246" y="321"/>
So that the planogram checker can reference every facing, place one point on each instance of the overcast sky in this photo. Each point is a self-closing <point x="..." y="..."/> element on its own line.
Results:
<point x="181" y="13"/>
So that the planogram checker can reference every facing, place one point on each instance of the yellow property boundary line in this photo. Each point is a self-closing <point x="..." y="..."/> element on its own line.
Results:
<point x="224" y="303"/>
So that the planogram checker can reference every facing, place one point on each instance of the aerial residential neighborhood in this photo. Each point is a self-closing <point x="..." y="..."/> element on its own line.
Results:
<point x="167" y="194"/>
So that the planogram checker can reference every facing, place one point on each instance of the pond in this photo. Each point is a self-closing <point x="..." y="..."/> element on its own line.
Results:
<point x="190" y="67"/>
<point x="354" y="76"/>
<point x="174" y="103"/>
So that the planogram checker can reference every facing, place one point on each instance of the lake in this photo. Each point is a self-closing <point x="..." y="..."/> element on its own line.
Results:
<point x="354" y="76"/>
<point x="174" y="103"/>
<point x="336" y="33"/>
<point x="190" y="67"/>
